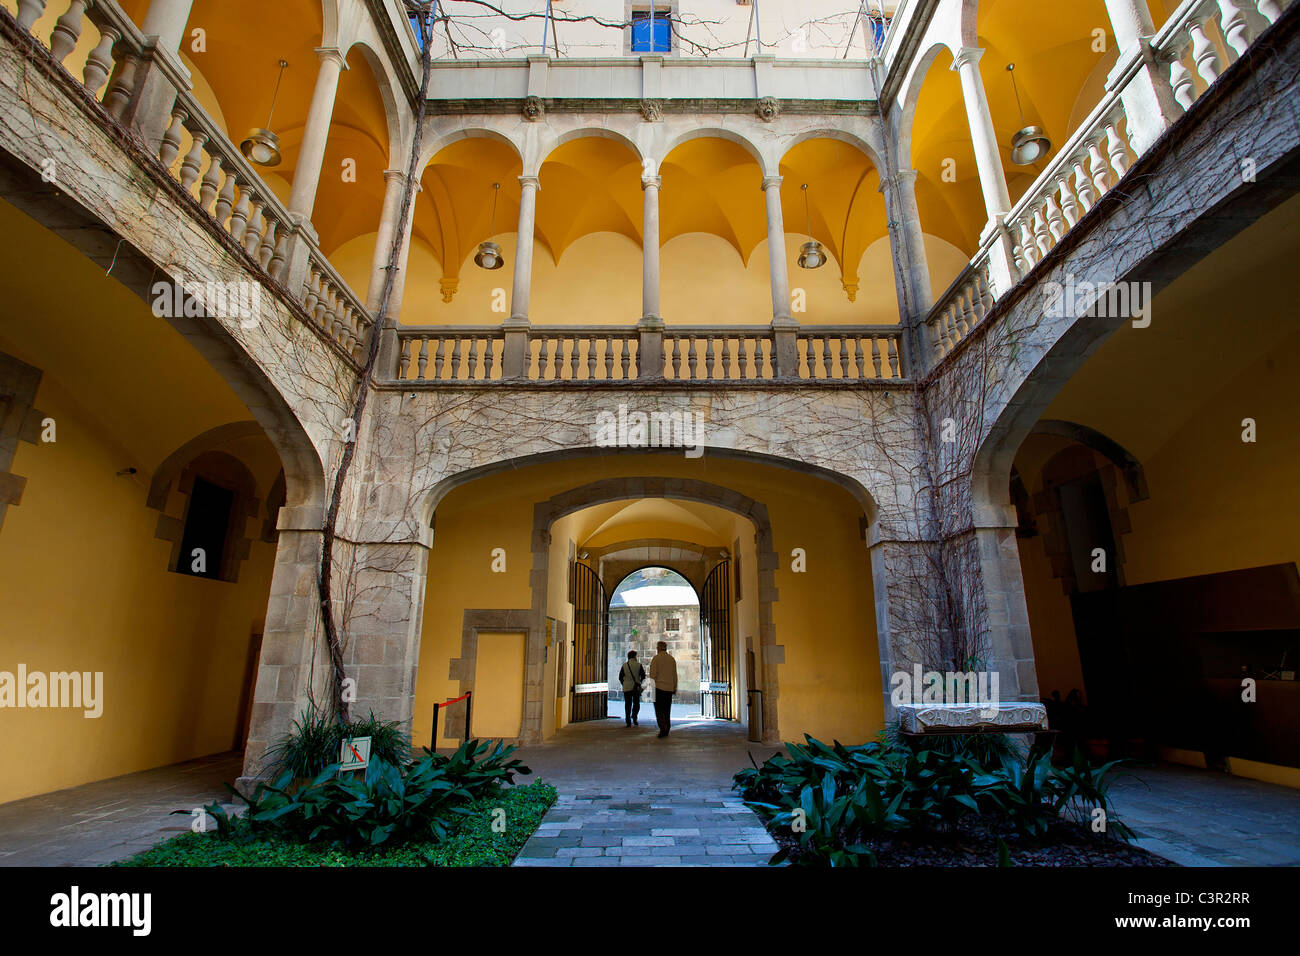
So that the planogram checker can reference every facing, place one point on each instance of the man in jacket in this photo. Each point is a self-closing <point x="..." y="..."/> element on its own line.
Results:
<point x="663" y="671"/>
<point x="631" y="676"/>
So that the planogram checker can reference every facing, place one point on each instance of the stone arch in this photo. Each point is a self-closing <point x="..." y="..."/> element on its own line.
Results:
<point x="546" y="513"/>
<point x="641" y="553"/>
<point x="170" y="469"/>
<point x="868" y="149"/>
<point x="910" y="95"/>
<point x="448" y="484"/>
<point x="436" y="143"/>
<point x="548" y="147"/>
<point x="396" y="112"/>
<point x="717" y="132"/>
<point x="229" y="472"/>
<point x="1135" y="478"/>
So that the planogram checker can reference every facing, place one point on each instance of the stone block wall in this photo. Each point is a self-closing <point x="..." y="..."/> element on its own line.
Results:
<point x="648" y="622"/>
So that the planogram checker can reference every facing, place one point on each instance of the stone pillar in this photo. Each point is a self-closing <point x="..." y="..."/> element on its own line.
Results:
<point x="908" y="240"/>
<point x="394" y="184"/>
<point x="289" y="637"/>
<point x="159" y="74"/>
<point x="984" y="139"/>
<point x="780" y="271"/>
<point x="306" y="178"/>
<point x="1143" y="80"/>
<point x="529" y="185"/>
<point x="650" y="249"/>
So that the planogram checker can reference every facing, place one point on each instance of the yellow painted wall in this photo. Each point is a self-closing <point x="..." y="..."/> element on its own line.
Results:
<point x="84" y="586"/>
<point x="829" y="685"/>
<point x="499" y="677"/>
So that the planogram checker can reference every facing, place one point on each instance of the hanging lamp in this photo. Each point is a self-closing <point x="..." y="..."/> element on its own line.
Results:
<point x="811" y="254"/>
<point x="261" y="146"/>
<point x="489" y="253"/>
<point x="1030" y="144"/>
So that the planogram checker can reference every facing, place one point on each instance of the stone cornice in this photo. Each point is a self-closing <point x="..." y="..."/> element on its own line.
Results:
<point x="633" y="105"/>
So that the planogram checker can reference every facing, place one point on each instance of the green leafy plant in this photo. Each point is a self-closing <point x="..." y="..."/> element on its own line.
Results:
<point x="314" y="743"/>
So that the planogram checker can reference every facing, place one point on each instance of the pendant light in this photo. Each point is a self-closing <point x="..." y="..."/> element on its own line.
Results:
<point x="489" y="253"/>
<point x="1030" y="144"/>
<point x="261" y="146"/>
<point x="811" y="255"/>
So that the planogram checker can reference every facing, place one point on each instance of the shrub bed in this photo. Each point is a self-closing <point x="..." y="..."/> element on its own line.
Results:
<point x="957" y="801"/>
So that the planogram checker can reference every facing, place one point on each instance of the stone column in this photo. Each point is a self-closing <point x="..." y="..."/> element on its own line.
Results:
<point x="776" y="259"/>
<point x="395" y="184"/>
<point x="159" y="74"/>
<point x="908" y="240"/>
<point x="650" y="250"/>
<point x="306" y="178"/>
<point x="1146" y="93"/>
<point x="529" y="185"/>
<point x="984" y="139"/>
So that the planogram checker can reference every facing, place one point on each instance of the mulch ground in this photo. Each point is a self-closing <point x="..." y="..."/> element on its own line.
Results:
<point x="975" y="843"/>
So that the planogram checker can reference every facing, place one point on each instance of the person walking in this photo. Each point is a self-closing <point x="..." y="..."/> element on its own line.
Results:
<point x="663" y="671"/>
<point x="631" y="676"/>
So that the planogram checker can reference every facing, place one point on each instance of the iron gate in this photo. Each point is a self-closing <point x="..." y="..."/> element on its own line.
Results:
<point x="716" y="678"/>
<point x="590" y="688"/>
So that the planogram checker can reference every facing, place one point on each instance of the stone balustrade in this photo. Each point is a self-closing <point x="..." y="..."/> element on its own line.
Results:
<point x="1096" y="157"/>
<point x="208" y="165"/>
<point x="613" y="354"/>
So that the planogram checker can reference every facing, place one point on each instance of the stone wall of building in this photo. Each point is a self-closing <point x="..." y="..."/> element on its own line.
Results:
<point x="649" y="625"/>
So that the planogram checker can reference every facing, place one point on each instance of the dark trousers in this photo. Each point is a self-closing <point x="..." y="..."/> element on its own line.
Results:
<point x="663" y="709"/>
<point x="631" y="704"/>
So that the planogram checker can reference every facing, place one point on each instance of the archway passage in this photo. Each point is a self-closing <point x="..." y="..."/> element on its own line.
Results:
<point x="619" y="513"/>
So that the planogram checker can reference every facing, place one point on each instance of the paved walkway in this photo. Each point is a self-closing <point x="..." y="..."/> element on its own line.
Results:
<point x="1205" y="818"/>
<point x="628" y="798"/>
<point x="111" y="819"/>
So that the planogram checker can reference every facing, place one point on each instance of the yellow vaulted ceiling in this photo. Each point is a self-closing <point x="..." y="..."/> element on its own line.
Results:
<point x="1057" y="58"/>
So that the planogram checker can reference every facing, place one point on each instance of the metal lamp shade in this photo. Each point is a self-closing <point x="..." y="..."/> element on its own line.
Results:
<point x="489" y="256"/>
<point x="262" y="147"/>
<point x="1029" y="146"/>
<point x="811" y="255"/>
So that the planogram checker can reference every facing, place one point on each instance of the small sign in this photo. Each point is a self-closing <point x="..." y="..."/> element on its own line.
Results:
<point x="354" y="753"/>
<point x="715" y="687"/>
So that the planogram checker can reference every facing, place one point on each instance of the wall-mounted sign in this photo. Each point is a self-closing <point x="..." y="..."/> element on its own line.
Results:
<point x="354" y="753"/>
<point x="715" y="687"/>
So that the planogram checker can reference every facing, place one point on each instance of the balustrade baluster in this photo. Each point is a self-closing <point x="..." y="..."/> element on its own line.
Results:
<point x="726" y="358"/>
<point x="170" y="146"/>
<point x="609" y="358"/>
<point x="625" y="357"/>
<point x="193" y="162"/>
<point x="211" y="184"/>
<point x="1055" y="221"/>
<point x="1117" y="151"/>
<point x="253" y="230"/>
<point x="876" y="350"/>
<point x="1203" y="52"/>
<point x="1069" y="206"/>
<point x="280" y="255"/>
<point x="439" y="356"/>
<point x="100" y="62"/>
<point x="1180" y="78"/>
<point x="455" y="358"/>
<point x="826" y="356"/>
<point x="29" y="11"/>
<point x="691" y="358"/>
<point x="574" y="357"/>
<point x="1269" y="10"/>
<point x="895" y="369"/>
<point x="1028" y="249"/>
<point x="404" y="358"/>
<point x="859" y="365"/>
<point x="313" y="293"/>
<point x="267" y="247"/>
<point x="67" y="30"/>
<point x="591" y="358"/>
<point x="1097" y="163"/>
<point x="224" y="210"/>
<point x="422" y="360"/>
<point x="1236" y="31"/>
<point x="471" y="362"/>
<point x="1083" y="185"/>
<point x="121" y="87"/>
<point x="710" y="358"/>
